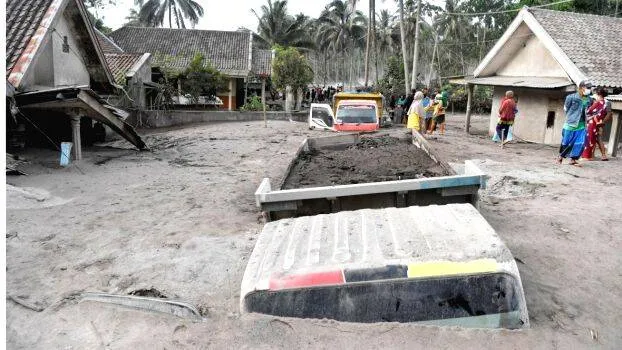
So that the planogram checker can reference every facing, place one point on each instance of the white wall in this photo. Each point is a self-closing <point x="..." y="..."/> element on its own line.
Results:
<point x="54" y="68"/>
<point x="533" y="108"/>
<point x="69" y="69"/>
<point x="532" y="60"/>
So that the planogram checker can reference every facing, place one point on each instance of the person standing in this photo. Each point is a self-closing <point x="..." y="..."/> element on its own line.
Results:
<point x="409" y="100"/>
<point x="598" y="114"/>
<point x="438" y="116"/>
<point x="416" y="113"/>
<point x="573" y="132"/>
<point x="507" y="113"/>
<point x="427" y="102"/>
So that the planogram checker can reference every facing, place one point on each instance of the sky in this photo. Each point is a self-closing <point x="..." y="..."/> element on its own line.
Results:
<point x="232" y="14"/>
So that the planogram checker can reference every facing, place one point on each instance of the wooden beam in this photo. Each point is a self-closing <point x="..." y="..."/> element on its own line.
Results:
<point x="614" y="137"/>
<point x="105" y="116"/>
<point x="467" y="125"/>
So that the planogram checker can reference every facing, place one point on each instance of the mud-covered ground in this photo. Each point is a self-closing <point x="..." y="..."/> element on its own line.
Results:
<point x="180" y="221"/>
<point x="373" y="159"/>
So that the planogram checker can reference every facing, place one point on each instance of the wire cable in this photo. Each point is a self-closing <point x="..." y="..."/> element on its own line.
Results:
<point x="49" y="139"/>
<point x="504" y="11"/>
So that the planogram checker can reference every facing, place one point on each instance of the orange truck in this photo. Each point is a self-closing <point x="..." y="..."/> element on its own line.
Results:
<point x="350" y="112"/>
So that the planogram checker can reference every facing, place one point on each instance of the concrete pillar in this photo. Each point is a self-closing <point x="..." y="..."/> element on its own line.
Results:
<point x="614" y="137"/>
<point x="75" y="136"/>
<point x="230" y="94"/>
<point x="467" y="125"/>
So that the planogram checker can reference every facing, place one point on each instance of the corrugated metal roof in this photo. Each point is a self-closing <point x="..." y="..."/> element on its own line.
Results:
<point x="373" y="238"/>
<point x="617" y="98"/>
<point x="531" y="82"/>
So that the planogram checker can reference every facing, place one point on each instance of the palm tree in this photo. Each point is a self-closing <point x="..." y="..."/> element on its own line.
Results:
<point x="152" y="12"/>
<point x="341" y="32"/>
<point x="277" y="27"/>
<point x="453" y="28"/>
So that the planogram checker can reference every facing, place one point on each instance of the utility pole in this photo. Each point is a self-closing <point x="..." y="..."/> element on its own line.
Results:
<point x="413" y="82"/>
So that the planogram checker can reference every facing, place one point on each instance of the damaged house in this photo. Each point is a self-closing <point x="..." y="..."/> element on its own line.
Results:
<point x="230" y="52"/>
<point x="542" y="57"/>
<point x="57" y="73"/>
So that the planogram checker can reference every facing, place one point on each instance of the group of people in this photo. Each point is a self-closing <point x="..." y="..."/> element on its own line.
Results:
<point x="421" y="111"/>
<point x="586" y="117"/>
<point x="321" y="94"/>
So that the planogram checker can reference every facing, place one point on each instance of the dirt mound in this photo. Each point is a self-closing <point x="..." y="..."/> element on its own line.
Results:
<point x="373" y="159"/>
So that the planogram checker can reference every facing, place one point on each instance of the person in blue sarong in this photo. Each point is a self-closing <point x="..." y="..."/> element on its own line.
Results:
<point x="573" y="132"/>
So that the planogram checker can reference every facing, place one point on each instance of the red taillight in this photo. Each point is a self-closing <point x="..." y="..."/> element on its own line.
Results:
<point x="313" y="279"/>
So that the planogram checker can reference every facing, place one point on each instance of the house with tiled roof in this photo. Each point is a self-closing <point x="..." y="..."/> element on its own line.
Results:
<point x="57" y="72"/>
<point x="542" y="57"/>
<point x="230" y="52"/>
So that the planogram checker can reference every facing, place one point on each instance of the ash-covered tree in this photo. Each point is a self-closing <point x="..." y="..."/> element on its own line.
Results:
<point x="292" y="72"/>
<point x="201" y="79"/>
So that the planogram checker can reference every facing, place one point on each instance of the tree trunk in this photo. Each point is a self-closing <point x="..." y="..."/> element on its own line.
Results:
<point x="413" y="81"/>
<point x="298" y="99"/>
<point x="289" y="96"/>
<point x="440" y="80"/>
<point x="429" y="80"/>
<point x="404" y="52"/>
<point x="373" y="37"/>
<point x="367" y="45"/>
<point x="170" y="22"/>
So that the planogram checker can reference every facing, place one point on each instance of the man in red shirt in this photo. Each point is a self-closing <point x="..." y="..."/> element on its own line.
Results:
<point x="507" y="113"/>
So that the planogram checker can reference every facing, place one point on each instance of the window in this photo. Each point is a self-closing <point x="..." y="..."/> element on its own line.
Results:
<point x="550" y="119"/>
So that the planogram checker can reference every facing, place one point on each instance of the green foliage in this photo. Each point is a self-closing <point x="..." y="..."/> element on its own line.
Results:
<point x="99" y="23"/>
<point x="254" y="104"/>
<point x="482" y="97"/>
<point x="393" y="80"/>
<point x="291" y="68"/>
<point x="201" y="79"/>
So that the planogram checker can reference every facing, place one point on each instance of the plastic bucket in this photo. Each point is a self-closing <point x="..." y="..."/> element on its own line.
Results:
<point x="65" y="153"/>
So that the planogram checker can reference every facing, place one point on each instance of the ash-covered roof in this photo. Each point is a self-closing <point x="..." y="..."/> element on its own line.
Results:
<point x="22" y="20"/>
<point x="121" y="63"/>
<point x="593" y="43"/>
<point x="107" y="45"/>
<point x="262" y="62"/>
<point x="229" y="52"/>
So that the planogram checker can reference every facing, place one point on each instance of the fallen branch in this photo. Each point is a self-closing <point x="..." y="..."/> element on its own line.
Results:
<point x="26" y="304"/>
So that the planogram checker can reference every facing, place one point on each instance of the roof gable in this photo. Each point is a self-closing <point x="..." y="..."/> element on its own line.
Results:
<point x="122" y="63"/>
<point x="30" y="24"/>
<point x="26" y="22"/>
<point x="229" y="52"/>
<point x="570" y="39"/>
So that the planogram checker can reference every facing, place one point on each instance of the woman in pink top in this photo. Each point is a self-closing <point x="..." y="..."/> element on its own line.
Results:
<point x="597" y="115"/>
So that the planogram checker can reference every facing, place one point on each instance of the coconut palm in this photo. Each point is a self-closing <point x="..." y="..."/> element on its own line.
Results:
<point x="341" y="32"/>
<point x="154" y="11"/>
<point x="277" y="27"/>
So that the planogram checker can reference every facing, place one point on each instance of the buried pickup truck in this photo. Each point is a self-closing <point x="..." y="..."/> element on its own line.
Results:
<point x="360" y="112"/>
<point x="437" y="265"/>
<point x="406" y="250"/>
